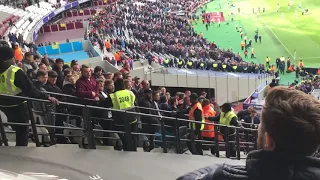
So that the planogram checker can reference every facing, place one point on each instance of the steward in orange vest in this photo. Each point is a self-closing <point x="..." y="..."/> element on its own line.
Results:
<point x="108" y="45"/>
<point x="195" y="114"/>
<point x="208" y="111"/>
<point x="272" y="69"/>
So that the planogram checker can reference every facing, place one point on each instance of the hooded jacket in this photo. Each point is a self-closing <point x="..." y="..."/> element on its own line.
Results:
<point x="262" y="165"/>
<point x="26" y="65"/>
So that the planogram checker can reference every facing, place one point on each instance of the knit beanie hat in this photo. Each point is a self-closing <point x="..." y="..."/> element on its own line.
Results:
<point x="6" y="53"/>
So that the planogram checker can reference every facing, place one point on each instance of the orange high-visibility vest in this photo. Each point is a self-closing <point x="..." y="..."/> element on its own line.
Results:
<point x="191" y="115"/>
<point x="117" y="56"/>
<point x="272" y="69"/>
<point x="208" y="112"/>
<point x="18" y="54"/>
<point x="108" y="45"/>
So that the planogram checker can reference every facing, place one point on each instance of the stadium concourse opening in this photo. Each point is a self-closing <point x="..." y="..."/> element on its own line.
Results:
<point x="287" y="29"/>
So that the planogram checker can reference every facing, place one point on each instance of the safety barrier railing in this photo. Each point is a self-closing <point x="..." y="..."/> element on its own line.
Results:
<point x="179" y="139"/>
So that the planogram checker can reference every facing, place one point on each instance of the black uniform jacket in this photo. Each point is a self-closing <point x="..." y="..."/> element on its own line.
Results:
<point x="27" y="87"/>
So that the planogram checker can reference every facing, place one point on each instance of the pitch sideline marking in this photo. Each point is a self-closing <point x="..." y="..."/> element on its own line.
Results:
<point x="276" y="36"/>
<point x="309" y="58"/>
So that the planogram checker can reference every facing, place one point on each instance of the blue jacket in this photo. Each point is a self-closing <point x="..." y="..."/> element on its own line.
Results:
<point x="262" y="165"/>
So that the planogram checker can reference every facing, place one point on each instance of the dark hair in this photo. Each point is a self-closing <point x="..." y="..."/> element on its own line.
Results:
<point x="47" y="63"/>
<point x="97" y="69"/>
<point x="155" y="92"/>
<point x="108" y="81"/>
<point x="59" y="60"/>
<point x="226" y="107"/>
<point x="84" y="67"/>
<point x="36" y="57"/>
<point x="41" y="73"/>
<point x="205" y="102"/>
<point x="28" y="54"/>
<point x="172" y="101"/>
<point x="292" y="120"/>
<point x="117" y="74"/>
<point x="41" y="64"/>
<point x="163" y="99"/>
<point x="119" y="84"/>
<point x="194" y="96"/>
<point x="67" y="71"/>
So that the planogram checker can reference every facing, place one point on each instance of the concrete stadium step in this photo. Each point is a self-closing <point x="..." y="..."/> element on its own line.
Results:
<point x="110" y="148"/>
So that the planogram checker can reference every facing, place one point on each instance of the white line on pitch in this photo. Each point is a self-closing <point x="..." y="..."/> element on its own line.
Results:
<point x="276" y="36"/>
<point x="308" y="58"/>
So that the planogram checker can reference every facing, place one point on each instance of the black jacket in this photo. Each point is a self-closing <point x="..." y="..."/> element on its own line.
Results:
<point x="27" y="87"/>
<point x="60" y="77"/>
<point x="69" y="89"/>
<point x="147" y="120"/>
<point x="262" y="165"/>
<point x="243" y="114"/>
<point x="233" y="122"/>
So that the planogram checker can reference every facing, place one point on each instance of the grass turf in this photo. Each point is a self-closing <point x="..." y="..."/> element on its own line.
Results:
<point x="282" y="32"/>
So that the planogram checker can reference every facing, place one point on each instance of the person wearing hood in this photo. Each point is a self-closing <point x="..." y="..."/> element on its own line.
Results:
<point x="18" y="54"/>
<point x="288" y="138"/>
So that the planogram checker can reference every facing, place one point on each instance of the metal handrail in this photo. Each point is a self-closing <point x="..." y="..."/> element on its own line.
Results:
<point x="89" y="130"/>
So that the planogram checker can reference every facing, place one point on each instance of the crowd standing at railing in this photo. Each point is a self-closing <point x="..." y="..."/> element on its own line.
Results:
<point x="287" y="134"/>
<point x="84" y="85"/>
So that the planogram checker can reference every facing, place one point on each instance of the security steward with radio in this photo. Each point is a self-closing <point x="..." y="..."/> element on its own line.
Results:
<point x="124" y="99"/>
<point x="228" y="118"/>
<point x="13" y="81"/>
<point x="196" y="114"/>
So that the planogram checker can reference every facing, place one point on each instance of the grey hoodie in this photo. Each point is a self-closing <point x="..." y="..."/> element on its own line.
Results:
<point x="26" y="65"/>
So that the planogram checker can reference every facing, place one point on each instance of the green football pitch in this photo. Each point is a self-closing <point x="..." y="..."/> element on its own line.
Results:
<point x="285" y="33"/>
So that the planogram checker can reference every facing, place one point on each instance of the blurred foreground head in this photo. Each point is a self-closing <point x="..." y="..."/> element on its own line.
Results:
<point x="290" y="122"/>
<point x="6" y="55"/>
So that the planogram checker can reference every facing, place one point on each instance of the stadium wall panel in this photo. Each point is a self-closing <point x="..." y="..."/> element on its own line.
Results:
<point x="227" y="88"/>
<point x="66" y="48"/>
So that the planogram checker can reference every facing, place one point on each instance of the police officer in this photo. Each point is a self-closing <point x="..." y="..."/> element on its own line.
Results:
<point x="13" y="81"/>
<point x="124" y="99"/>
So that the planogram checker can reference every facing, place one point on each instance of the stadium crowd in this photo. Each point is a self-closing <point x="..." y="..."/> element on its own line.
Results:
<point x="149" y="30"/>
<point x="288" y="130"/>
<point x="95" y="87"/>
